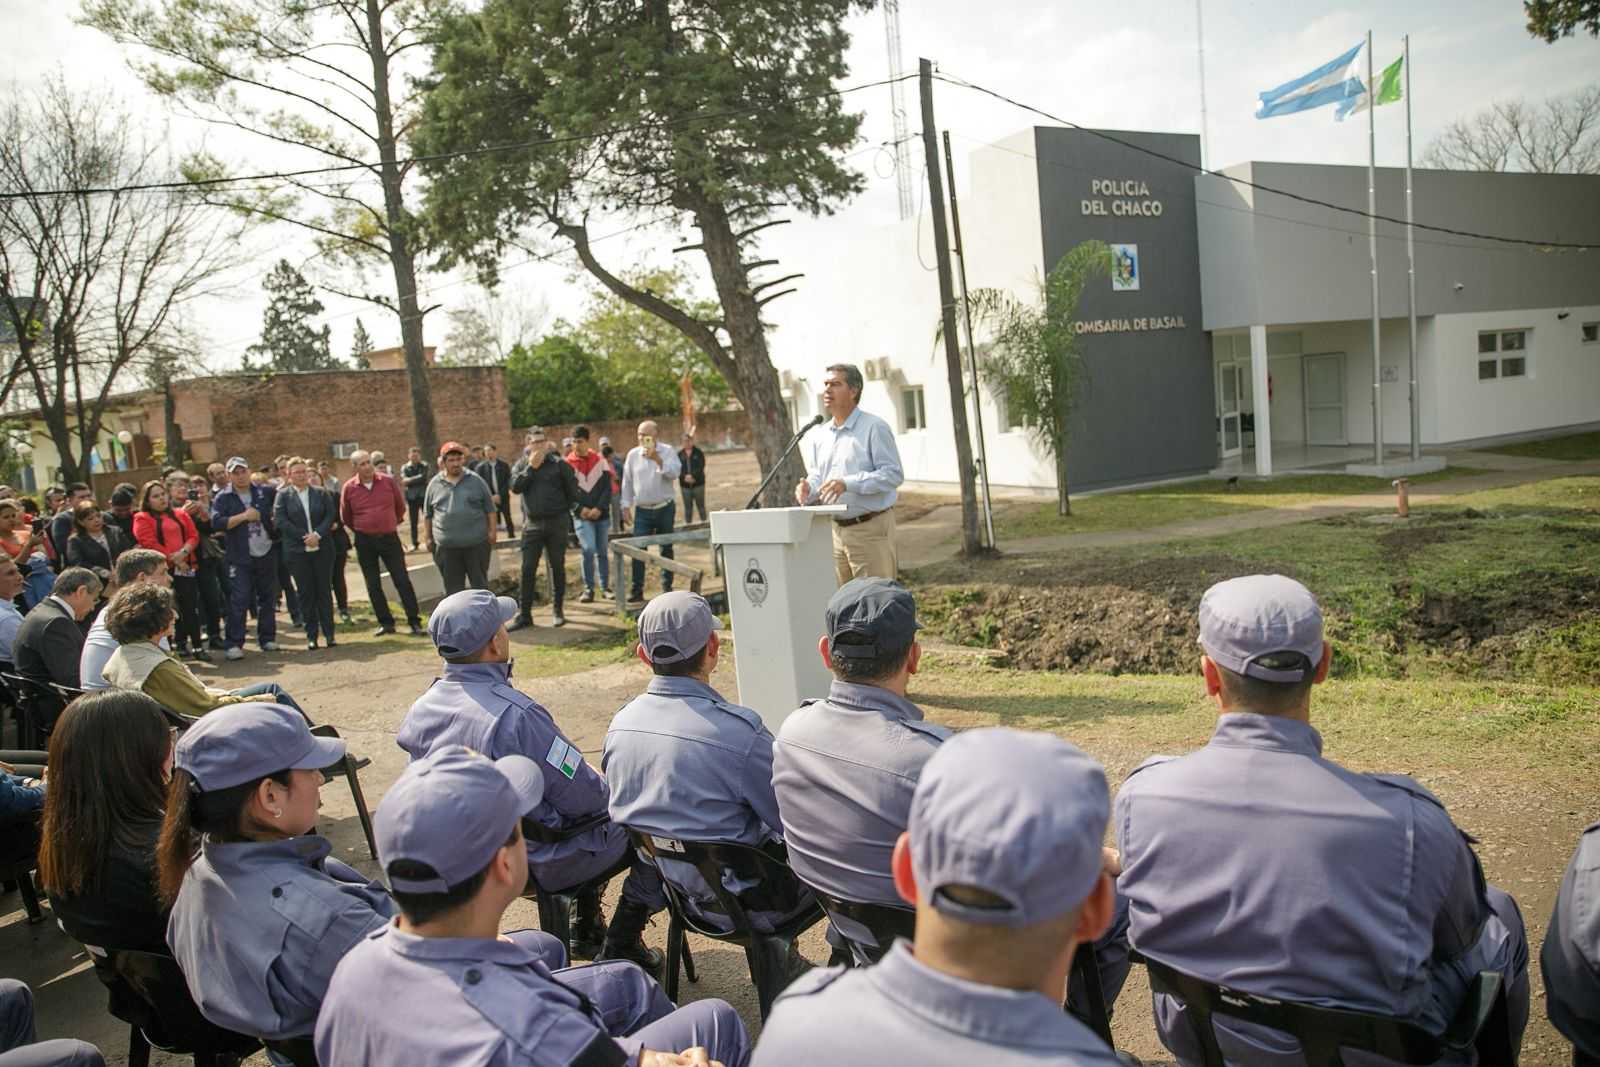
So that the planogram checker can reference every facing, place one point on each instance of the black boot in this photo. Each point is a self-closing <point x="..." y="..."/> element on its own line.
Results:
<point x="588" y="928"/>
<point x="625" y="938"/>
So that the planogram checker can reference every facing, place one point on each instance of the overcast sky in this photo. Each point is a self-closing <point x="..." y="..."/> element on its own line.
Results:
<point x="1122" y="64"/>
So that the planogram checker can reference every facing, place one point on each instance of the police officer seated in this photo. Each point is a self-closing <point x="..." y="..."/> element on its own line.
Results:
<point x="844" y="768"/>
<point x="19" y="1046"/>
<point x="473" y="703"/>
<point x="1002" y="859"/>
<point x="1570" y="958"/>
<point x="439" y="986"/>
<point x="1258" y="862"/>
<point x="681" y="761"/>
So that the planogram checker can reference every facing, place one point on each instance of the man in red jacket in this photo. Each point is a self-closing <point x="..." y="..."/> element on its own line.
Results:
<point x="371" y="506"/>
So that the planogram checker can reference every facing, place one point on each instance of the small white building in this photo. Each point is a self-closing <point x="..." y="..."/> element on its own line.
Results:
<point x="1237" y="335"/>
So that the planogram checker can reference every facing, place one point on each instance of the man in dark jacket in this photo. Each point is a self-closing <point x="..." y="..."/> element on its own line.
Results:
<point x="50" y="640"/>
<point x="244" y="511"/>
<point x="593" y="513"/>
<point x="692" y="482"/>
<point x="414" y="479"/>
<point x="549" y="491"/>
<point x="496" y="472"/>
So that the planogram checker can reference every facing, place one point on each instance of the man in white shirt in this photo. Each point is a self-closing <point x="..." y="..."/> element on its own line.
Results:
<point x="133" y="566"/>
<point x="11" y="583"/>
<point x="649" y="478"/>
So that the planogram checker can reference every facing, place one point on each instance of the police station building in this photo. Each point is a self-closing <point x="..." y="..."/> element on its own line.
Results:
<point x="1234" y="333"/>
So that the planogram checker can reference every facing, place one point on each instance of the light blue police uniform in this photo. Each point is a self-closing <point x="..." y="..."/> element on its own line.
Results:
<point x="1018" y="815"/>
<point x="475" y="704"/>
<point x="1570" y="959"/>
<point x="444" y="1001"/>
<point x="258" y="926"/>
<point x="18" y="1046"/>
<point x="1258" y="863"/>
<point x="684" y="763"/>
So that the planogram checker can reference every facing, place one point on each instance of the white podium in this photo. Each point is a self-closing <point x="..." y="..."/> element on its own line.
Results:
<point x="778" y="565"/>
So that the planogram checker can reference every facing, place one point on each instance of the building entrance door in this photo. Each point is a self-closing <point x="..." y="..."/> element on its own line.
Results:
<point x="1230" y="389"/>
<point x="1324" y="394"/>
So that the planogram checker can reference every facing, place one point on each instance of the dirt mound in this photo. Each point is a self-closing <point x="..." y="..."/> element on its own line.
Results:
<point x="1531" y="599"/>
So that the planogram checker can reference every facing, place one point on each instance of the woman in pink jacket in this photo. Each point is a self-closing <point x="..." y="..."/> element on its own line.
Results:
<point x="171" y="532"/>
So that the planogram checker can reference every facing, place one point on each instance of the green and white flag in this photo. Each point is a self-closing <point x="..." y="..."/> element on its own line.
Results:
<point x="1389" y="83"/>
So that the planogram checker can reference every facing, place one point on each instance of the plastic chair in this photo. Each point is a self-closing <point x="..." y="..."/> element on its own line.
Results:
<point x="300" y="1051"/>
<point x="349" y="769"/>
<point x="777" y="890"/>
<point x="1482" y="1022"/>
<point x="19" y="855"/>
<point x="31" y="713"/>
<point x="556" y="909"/>
<point x="885" y="922"/>
<point x="149" y="993"/>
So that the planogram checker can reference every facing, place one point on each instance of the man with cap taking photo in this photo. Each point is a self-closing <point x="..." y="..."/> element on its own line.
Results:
<point x="685" y="763"/>
<point x="844" y="767"/>
<point x="1257" y="861"/>
<point x="458" y="522"/>
<point x="573" y="847"/>
<point x="441" y="986"/>
<point x="1003" y="861"/>
<point x="243" y="512"/>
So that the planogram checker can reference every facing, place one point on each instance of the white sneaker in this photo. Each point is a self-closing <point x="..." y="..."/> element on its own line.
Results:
<point x="270" y="646"/>
<point x="234" y="652"/>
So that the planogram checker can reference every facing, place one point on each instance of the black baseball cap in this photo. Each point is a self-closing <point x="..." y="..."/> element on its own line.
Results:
<point x="871" y="617"/>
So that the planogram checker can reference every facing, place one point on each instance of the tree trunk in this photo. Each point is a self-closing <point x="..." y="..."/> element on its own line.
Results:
<point x="753" y="378"/>
<point x="1063" y="504"/>
<point x="401" y="258"/>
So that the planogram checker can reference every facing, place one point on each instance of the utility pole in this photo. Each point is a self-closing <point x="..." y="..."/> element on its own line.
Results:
<point x="972" y="344"/>
<point x="970" y="545"/>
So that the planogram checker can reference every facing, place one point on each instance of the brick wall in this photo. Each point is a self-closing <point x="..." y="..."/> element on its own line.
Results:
<point x="262" y="416"/>
<point x="713" y="430"/>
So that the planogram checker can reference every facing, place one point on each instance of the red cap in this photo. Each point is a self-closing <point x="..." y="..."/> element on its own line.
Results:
<point x="451" y="446"/>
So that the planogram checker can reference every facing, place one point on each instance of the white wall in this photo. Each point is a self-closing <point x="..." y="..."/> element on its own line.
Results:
<point x="1562" y="387"/>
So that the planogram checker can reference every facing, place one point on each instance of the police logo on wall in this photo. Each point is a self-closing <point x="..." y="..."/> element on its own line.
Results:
<point x="756" y="586"/>
<point x="1124" y="268"/>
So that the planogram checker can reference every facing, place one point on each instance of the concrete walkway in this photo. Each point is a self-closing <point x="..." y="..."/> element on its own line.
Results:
<point x="930" y="538"/>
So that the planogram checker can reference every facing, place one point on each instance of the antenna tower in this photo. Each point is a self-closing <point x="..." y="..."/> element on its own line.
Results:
<point x="902" y="154"/>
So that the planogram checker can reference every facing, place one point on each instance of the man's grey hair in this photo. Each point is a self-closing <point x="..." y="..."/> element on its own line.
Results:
<point x="359" y="455"/>
<point x="75" y="578"/>
<point x="137" y="563"/>
<point x="852" y="375"/>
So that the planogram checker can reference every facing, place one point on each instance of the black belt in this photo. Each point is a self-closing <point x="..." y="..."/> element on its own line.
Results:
<point x="858" y="519"/>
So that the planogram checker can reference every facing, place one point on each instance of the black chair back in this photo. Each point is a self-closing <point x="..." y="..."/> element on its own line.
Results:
<point x="884" y="922"/>
<point x="148" y="992"/>
<point x="37" y="706"/>
<point x="300" y="1051"/>
<point x="1481" y="1022"/>
<point x="775" y="890"/>
<point x="19" y="855"/>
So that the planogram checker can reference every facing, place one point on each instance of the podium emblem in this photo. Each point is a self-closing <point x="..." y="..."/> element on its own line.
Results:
<point x="756" y="586"/>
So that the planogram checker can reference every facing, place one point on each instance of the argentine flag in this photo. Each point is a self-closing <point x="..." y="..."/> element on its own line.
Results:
<point x="1339" y="81"/>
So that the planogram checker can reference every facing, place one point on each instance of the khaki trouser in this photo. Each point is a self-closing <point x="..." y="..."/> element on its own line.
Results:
<point x="866" y="550"/>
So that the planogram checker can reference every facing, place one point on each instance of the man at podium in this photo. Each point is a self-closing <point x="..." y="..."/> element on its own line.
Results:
<point x="853" y="461"/>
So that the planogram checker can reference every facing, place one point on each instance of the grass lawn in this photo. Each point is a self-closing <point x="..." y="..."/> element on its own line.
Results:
<point x="1189" y="501"/>
<point x="1499" y="584"/>
<point x="1578" y="446"/>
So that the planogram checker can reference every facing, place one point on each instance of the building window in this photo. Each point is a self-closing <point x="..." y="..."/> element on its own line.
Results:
<point x="913" y="409"/>
<point x="344" y="449"/>
<point x="1591" y="333"/>
<point x="1502" y="354"/>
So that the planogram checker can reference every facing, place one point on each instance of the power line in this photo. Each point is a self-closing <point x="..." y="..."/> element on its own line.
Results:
<point x="962" y="83"/>
<point x="513" y="146"/>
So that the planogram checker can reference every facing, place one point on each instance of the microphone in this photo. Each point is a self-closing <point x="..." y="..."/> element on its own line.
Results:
<point x="816" y="420"/>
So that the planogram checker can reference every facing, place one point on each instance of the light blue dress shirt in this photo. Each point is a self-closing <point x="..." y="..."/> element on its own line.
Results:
<point x="10" y="621"/>
<point x="862" y="452"/>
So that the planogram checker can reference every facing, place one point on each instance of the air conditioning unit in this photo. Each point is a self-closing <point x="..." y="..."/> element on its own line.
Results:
<point x="877" y="370"/>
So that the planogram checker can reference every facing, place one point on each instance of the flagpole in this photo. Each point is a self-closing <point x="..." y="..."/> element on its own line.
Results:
<point x="1372" y="248"/>
<point x="1200" y="41"/>
<point x="1411" y="263"/>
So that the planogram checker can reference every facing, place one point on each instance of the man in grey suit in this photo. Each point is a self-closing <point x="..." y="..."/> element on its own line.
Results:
<point x="304" y="515"/>
<point x="50" y="640"/>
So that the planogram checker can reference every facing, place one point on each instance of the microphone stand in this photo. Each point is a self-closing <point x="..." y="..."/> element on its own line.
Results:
<point x="755" y="500"/>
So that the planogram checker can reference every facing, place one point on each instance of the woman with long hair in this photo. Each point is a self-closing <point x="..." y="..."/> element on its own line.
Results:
<point x="95" y="543"/>
<point x="110" y="758"/>
<point x="170" y="531"/>
<point x="261" y="913"/>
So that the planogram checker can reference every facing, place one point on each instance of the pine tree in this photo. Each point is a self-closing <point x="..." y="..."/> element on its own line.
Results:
<point x="360" y="345"/>
<point x="290" y="339"/>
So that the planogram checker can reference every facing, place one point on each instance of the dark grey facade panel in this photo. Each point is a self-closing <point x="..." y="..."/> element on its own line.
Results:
<point x="1145" y="408"/>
